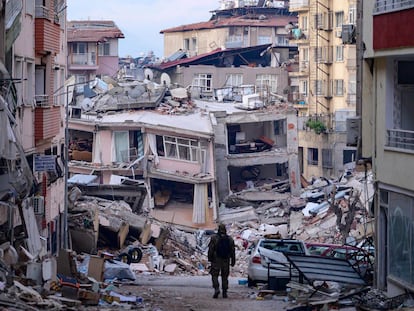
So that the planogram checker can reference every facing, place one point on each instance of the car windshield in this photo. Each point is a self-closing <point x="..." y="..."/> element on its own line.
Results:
<point x="282" y="246"/>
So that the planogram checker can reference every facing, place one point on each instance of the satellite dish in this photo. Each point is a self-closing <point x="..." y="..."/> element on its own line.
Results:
<point x="86" y="104"/>
<point x="165" y="79"/>
<point x="149" y="75"/>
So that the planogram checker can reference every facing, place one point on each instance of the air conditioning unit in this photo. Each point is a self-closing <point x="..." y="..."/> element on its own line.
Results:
<point x="353" y="130"/>
<point x="348" y="34"/>
<point x="39" y="205"/>
<point x="338" y="33"/>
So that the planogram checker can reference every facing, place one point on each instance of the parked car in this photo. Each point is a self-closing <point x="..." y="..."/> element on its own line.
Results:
<point x="331" y="250"/>
<point x="361" y="258"/>
<point x="260" y="268"/>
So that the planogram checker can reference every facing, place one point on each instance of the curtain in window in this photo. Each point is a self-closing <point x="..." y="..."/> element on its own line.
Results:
<point x="97" y="153"/>
<point x="200" y="204"/>
<point x="140" y="144"/>
<point x="150" y="147"/>
<point x="121" y="143"/>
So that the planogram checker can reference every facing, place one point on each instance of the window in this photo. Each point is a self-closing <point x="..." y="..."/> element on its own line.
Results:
<point x="304" y="87"/>
<point x="234" y="79"/>
<point x="327" y="158"/>
<point x="264" y="80"/>
<point x="180" y="148"/>
<point x="203" y="81"/>
<point x="349" y="156"/>
<point x="400" y="236"/>
<point x="351" y="87"/>
<point x="339" y="53"/>
<point x="318" y="54"/>
<point x="318" y="87"/>
<point x="304" y="23"/>
<point x="339" y="19"/>
<point x="187" y="44"/>
<point x="319" y="21"/>
<point x="279" y="127"/>
<point x="194" y="44"/>
<point x="305" y="54"/>
<point x="313" y="156"/>
<point x="338" y="87"/>
<point x="352" y="15"/>
<point x="121" y="144"/>
<point x="104" y="49"/>
<point x="79" y="80"/>
<point x="79" y="47"/>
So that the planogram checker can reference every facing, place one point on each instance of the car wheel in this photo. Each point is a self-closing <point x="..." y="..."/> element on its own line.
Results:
<point x="125" y="258"/>
<point x="135" y="254"/>
<point x="250" y="282"/>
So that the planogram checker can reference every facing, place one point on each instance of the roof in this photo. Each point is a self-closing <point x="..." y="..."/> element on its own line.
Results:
<point x="268" y="21"/>
<point x="93" y="31"/>
<point x="211" y="58"/>
<point x="196" y="123"/>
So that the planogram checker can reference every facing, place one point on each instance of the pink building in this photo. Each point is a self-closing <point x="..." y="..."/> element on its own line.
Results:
<point x="92" y="49"/>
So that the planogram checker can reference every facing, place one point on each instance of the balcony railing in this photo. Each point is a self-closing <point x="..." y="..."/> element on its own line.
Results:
<point x="84" y="59"/>
<point x="42" y="11"/>
<point x="401" y="139"/>
<point x="297" y="4"/>
<point x="382" y="6"/>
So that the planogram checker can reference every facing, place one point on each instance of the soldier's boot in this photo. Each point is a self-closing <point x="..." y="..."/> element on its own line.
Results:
<point x="216" y="293"/>
<point x="224" y="293"/>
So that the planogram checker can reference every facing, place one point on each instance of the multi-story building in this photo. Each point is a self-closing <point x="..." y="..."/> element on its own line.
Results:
<point x="35" y="58"/>
<point x="324" y="88"/>
<point x="92" y="50"/>
<point x="388" y="135"/>
<point x="236" y="24"/>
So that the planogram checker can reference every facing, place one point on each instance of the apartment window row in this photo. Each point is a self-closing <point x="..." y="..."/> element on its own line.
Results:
<point x="204" y="81"/>
<point x="348" y="156"/>
<point x="324" y="88"/>
<point x="382" y="6"/>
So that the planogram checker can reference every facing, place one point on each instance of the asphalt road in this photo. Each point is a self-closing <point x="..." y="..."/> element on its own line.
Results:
<point x="194" y="293"/>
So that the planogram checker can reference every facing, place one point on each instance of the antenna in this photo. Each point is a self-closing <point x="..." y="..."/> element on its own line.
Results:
<point x="165" y="79"/>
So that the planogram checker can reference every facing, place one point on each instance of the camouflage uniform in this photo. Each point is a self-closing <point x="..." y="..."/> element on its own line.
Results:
<point x="220" y="265"/>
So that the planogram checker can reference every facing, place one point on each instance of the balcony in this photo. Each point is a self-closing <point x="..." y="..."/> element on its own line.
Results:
<point x="400" y="139"/>
<point x="298" y="5"/>
<point x="47" y="32"/>
<point x="83" y="61"/>
<point x="385" y="6"/>
<point x="390" y="31"/>
<point x="47" y="122"/>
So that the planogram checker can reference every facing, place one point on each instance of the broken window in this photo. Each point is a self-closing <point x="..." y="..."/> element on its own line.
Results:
<point x="234" y="79"/>
<point x="266" y="80"/>
<point x="203" y="81"/>
<point x="180" y="148"/>
<point x="349" y="156"/>
<point x="313" y="156"/>
<point x="327" y="158"/>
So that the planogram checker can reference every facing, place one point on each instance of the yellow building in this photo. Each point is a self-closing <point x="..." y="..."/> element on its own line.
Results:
<point x="324" y="87"/>
<point x="236" y="26"/>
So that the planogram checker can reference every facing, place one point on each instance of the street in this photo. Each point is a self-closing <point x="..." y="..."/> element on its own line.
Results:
<point x="178" y="293"/>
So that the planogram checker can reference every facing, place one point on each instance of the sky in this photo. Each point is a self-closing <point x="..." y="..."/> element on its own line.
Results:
<point x="142" y="20"/>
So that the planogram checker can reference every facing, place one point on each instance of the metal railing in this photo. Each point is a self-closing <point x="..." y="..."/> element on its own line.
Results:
<point x="296" y="4"/>
<point x="42" y="12"/>
<point x="382" y="6"/>
<point x="42" y="100"/>
<point x="401" y="139"/>
<point x="84" y="59"/>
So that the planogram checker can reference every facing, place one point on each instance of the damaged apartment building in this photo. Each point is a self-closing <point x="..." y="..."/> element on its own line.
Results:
<point x="198" y="126"/>
<point x="187" y="154"/>
<point x="32" y="62"/>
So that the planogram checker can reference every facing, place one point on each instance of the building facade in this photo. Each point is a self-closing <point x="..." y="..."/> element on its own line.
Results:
<point x="388" y="136"/>
<point x="35" y="58"/>
<point x="323" y="89"/>
<point x="234" y="25"/>
<point x="92" y="50"/>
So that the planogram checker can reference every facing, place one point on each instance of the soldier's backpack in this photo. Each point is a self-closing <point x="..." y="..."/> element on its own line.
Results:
<point x="223" y="247"/>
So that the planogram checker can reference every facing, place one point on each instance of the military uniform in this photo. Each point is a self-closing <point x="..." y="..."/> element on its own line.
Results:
<point x="221" y="257"/>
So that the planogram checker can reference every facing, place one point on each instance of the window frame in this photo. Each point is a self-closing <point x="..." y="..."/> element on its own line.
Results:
<point x="313" y="156"/>
<point x="204" y="81"/>
<point x="183" y="149"/>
